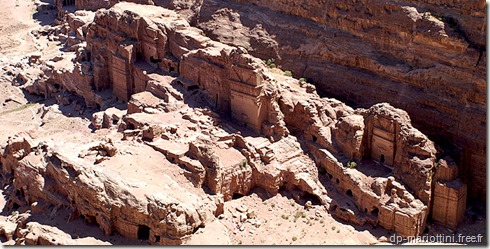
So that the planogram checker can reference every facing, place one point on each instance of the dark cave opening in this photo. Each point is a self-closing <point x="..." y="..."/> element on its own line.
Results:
<point x="153" y="60"/>
<point x="143" y="232"/>
<point x="139" y="56"/>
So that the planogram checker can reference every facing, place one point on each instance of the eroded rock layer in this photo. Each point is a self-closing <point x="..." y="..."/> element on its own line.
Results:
<point x="206" y="122"/>
<point x="426" y="57"/>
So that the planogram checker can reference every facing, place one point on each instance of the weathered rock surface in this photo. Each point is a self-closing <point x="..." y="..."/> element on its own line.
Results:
<point x="93" y="5"/>
<point x="448" y="191"/>
<point x="422" y="60"/>
<point x="54" y="177"/>
<point x="207" y="122"/>
<point x="426" y="57"/>
<point x="37" y="234"/>
<point x="28" y="232"/>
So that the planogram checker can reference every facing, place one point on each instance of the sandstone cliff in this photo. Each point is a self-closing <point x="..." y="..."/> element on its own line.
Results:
<point x="426" y="57"/>
<point x="218" y="122"/>
<point x="52" y="176"/>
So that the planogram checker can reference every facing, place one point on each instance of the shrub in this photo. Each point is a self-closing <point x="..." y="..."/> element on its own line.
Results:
<point x="351" y="165"/>
<point x="302" y="80"/>
<point x="429" y="178"/>
<point x="271" y="63"/>
<point x="244" y="163"/>
<point x="285" y="216"/>
<point x="322" y="170"/>
<point x="299" y="214"/>
<point x="288" y="73"/>
<point x="295" y="238"/>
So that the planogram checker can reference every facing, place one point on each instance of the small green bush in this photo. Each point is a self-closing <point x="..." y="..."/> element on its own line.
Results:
<point x="322" y="170"/>
<point x="288" y="73"/>
<point x="299" y="214"/>
<point x="244" y="163"/>
<point x="271" y="63"/>
<point x="351" y="165"/>
<point x="302" y="80"/>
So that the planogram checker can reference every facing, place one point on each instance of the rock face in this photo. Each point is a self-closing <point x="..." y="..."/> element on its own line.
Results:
<point x="93" y="5"/>
<point x="420" y="53"/>
<point x="32" y="233"/>
<point x="338" y="136"/>
<point x="391" y="139"/>
<point x="448" y="191"/>
<point x="164" y="41"/>
<point x="426" y="57"/>
<point x="37" y="234"/>
<point x="220" y="122"/>
<point x="51" y="178"/>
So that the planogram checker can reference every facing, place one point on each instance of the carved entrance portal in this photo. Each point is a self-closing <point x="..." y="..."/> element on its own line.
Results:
<point x="383" y="146"/>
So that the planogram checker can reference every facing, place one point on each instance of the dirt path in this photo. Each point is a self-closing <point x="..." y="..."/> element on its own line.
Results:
<point x="16" y="22"/>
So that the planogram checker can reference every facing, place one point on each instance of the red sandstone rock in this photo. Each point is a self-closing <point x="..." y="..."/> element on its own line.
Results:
<point x="168" y="70"/>
<point x="375" y="52"/>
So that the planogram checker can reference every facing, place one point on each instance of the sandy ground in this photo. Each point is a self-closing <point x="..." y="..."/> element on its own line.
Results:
<point x="279" y="220"/>
<point x="16" y="22"/>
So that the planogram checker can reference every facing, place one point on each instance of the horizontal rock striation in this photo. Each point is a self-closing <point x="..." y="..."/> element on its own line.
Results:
<point x="426" y="57"/>
<point x="231" y="123"/>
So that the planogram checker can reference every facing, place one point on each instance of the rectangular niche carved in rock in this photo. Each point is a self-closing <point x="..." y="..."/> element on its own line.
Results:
<point x="383" y="146"/>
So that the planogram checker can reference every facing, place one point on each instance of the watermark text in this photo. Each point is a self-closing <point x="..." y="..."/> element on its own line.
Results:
<point x="437" y="238"/>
